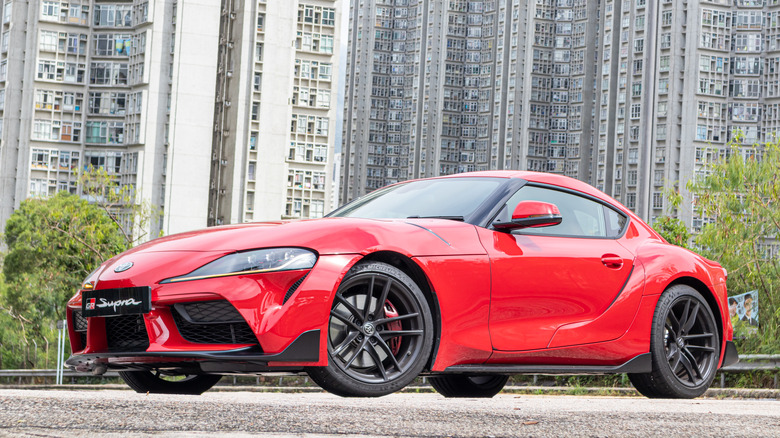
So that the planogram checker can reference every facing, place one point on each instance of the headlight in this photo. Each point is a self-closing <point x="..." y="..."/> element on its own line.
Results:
<point x="252" y="262"/>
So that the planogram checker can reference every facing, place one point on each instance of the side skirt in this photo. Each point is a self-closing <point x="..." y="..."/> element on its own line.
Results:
<point x="639" y="364"/>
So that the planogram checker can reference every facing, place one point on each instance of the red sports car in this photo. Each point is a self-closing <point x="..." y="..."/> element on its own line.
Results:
<point x="466" y="279"/>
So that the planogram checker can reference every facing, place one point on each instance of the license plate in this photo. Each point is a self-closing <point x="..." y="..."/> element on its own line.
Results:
<point x="113" y="302"/>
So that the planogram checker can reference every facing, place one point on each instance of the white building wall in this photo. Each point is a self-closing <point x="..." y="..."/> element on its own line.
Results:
<point x="192" y="118"/>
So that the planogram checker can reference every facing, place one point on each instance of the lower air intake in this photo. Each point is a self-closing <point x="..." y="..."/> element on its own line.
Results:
<point x="79" y="324"/>
<point x="126" y="333"/>
<point x="212" y="322"/>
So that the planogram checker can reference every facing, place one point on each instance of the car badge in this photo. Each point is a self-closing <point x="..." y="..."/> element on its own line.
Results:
<point x="123" y="267"/>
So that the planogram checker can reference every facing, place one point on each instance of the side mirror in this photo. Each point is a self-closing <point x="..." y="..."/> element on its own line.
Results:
<point x="531" y="214"/>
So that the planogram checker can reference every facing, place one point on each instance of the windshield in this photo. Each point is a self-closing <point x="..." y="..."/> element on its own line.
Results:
<point x="447" y="198"/>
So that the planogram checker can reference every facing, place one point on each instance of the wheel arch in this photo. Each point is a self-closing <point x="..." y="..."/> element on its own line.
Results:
<point x="417" y="274"/>
<point x="708" y="295"/>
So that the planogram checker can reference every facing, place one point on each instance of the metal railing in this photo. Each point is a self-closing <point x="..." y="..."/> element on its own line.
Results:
<point x="747" y="363"/>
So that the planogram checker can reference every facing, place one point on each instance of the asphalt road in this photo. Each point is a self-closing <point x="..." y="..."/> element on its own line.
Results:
<point x="37" y="413"/>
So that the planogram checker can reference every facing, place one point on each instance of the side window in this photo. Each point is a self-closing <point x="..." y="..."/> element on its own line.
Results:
<point x="615" y="222"/>
<point x="581" y="216"/>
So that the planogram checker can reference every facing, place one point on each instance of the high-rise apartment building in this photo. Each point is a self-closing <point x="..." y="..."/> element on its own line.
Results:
<point x="93" y="83"/>
<point x="275" y="111"/>
<point x="631" y="96"/>
<point x="214" y="112"/>
<point x="437" y="88"/>
<point x="678" y="80"/>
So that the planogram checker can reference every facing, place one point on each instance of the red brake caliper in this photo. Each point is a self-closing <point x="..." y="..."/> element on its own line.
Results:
<point x="393" y="343"/>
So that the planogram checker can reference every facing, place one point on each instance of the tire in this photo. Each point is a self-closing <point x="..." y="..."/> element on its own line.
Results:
<point x="154" y="383"/>
<point x="684" y="345"/>
<point x="380" y="333"/>
<point x="468" y="386"/>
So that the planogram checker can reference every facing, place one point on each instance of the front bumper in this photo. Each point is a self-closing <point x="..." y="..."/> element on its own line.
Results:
<point x="304" y="349"/>
<point x="275" y="321"/>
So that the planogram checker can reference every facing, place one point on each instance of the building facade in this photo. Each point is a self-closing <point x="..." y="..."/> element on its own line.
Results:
<point x="631" y="96"/>
<point x="275" y="111"/>
<point x="435" y="88"/>
<point x="212" y="112"/>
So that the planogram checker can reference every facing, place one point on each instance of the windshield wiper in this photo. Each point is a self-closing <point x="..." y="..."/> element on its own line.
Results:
<point x="452" y="218"/>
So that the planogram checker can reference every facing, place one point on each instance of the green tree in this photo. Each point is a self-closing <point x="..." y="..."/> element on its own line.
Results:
<point x="741" y="197"/>
<point x="53" y="244"/>
<point x="673" y="230"/>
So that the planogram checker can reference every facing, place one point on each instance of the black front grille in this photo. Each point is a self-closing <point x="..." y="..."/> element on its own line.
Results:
<point x="80" y="326"/>
<point x="126" y="333"/>
<point x="212" y="322"/>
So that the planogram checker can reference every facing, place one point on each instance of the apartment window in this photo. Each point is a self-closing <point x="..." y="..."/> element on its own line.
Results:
<point x="322" y="126"/>
<point x="50" y="10"/>
<point x="328" y="16"/>
<point x="251" y="171"/>
<point x="317" y="209"/>
<point x="46" y="70"/>
<point x="663" y="86"/>
<point x="258" y="81"/>
<point x="661" y="109"/>
<point x="7" y="10"/>
<point x="109" y="44"/>
<point x="638" y="66"/>
<point x="663" y="63"/>
<point x="636" y="110"/>
<point x="42" y="130"/>
<point x="255" y="111"/>
<point x="253" y="141"/>
<point x="631" y="178"/>
<point x="107" y="103"/>
<point x="658" y="200"/>
<point x="660" y="132"/>
<point x="325" y="70"/>
<point x="260" y="21"/>
<point x="633" y="156"/>
<point x="636" y="89"/>
<point x="701" y="132"/>
<point x="108" y="73"/>
<point x="639" y="45"/>
<point x="658" y="177"/>
<point x="666" y="18"/>
<point x="631" y="200"/>
<point x="48" y="41"/>
<point x="634" y="133"/>
<point x="666" y="40"/>
<point x="326" y="44"/>
<point x="259" y="52"/>
<point x="639" y="22"/>
<point x="113" y="15"/>
<point x="105" y="132"/>
<point x="323" y="98"/>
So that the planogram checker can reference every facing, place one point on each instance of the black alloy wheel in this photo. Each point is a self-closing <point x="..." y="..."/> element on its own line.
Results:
<point x="379" y="333"/>
<point x="685" y="347"/>
<point x="468" y="386"/>
<point x="155" y="382"/>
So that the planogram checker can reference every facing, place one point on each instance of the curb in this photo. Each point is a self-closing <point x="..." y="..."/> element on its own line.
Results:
<point x="746" y="393"/>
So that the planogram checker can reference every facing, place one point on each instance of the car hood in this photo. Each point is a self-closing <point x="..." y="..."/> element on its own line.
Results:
<point x="412" y="237"/>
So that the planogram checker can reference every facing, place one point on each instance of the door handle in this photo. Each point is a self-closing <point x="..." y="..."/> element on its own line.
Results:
<point x="612" y="261"/>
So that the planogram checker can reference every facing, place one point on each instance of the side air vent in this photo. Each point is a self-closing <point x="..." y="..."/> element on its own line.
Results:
<point x="293" y="288"/>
